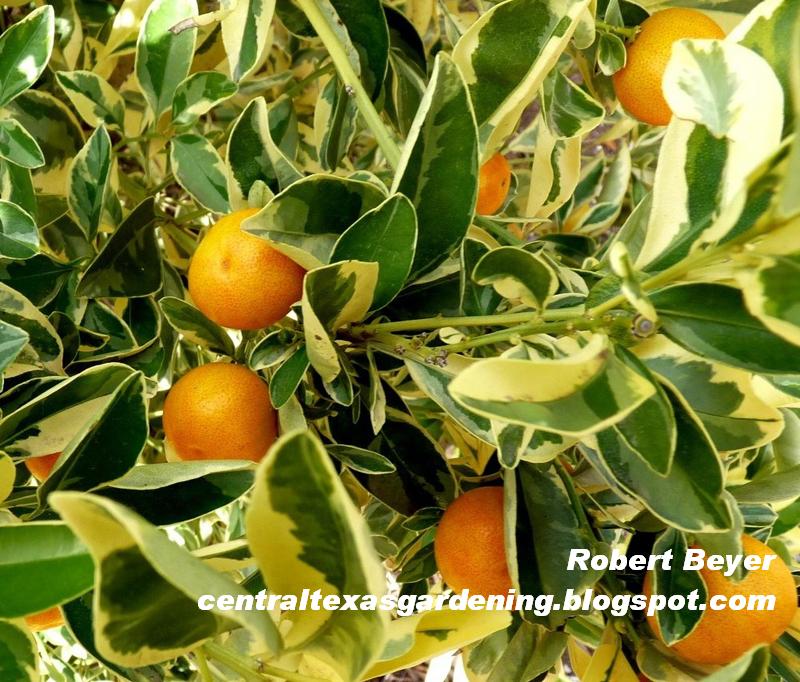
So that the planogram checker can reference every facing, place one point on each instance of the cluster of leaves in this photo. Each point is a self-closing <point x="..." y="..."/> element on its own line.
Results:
<point x="631" y="386"/>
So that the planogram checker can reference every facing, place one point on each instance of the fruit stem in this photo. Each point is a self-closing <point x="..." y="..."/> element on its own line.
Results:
<point x="250" y="669"/>
<point x="469" y="321"/>
<point x="350" y="79"/>
<point x="202" y="666"/>
<point x="624" y="31"/>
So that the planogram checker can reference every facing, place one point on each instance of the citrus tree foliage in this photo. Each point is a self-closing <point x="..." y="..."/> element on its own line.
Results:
<point x="619" y="344"/>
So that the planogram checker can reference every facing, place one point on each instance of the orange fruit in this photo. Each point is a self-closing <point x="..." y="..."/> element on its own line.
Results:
<point x="41" y="467"/>
<point x="238" y="280"/>
<point x="638" y="84"/>
<point x="220" y="411"/>
<point x="469" y="547"/>
<point x="50" y="618"/>
<point x="722" y="636"/>
<point x="493" y="185"/>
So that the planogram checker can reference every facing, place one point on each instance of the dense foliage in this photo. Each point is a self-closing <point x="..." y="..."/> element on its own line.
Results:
<point x="618" y="345"/>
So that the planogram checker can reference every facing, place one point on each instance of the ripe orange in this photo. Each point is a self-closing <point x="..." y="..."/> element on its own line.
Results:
<point x="493" y="185"/>
<point x="638" y="84"/>
<point x="238" y="280"/>
<point x="220" y="411"/>
<point x="41" y="467"/>
<point x="50" y="618"/>
<point x="722" y="636"/>
<point x="469" y="546"/>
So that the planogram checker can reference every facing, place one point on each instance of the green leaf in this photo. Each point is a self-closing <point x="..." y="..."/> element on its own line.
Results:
<point x="94" y="98"/>
<point x="442" y="144"/>
<point x="19" y="661"/>
<point x="200" y="171"/>
<point x="195" y="327"/>
<point x="475" y="299"/>
<point x="287" y="377"/>
<point x="695" y="477"/>
<point x="779" y="486"/>
<point x="106" y="448"/>
<point x="89" y="181"/>
<point x="33" y="553"/>
<point x="244" y="34"/>
<point x="163" y="58"/>
<point x="17" y="145"/>
<point x="174" y="492"/>
<point x="575" y="395"/>
<point x="361" y="460"/>
<point x="334" y="295"/>
<point x="140" y="576"/>
<point x="198" y="94"/>
<point x="544" y="527"/>
<point x="129" y="264"/>
<point x="676" y="625"/>
<point x="25" y="49"/>
<point x="491" y="47"/>
<point x="19" y="236"/>
<point x="301" y="512"/>
<point x="516" y="273"/>
<point x="711" y="320"/>
<point x="261" y="147"/>
<point x="386" y="235"/>
<point x="16" y="186"/>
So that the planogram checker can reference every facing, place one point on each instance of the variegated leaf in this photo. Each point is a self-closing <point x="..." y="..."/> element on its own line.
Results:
<point x="48" y="422"/>
<point x="729" y="114"/>
<point x="418" y="638"/>
<point x="516" y="273"/>
<point x="93" y="97"/>
<point x="244" y="33"/>
<point x="198" y="94"/>
<point x="162" y="57"/>
<point x="767" y="296"/>
<point x="43" y="340"/>
<point x="261" y="148"/>
<point x="17" y="145"/>
<point x="491" y="46"/>
<point x="89" y="181"/>
<point x="19" y="236"/>
<point x="301" y="512"/>
<point x="554" y="395"/>
<point x="129" y="553"/>
<point x="334" y="295"/>
<point x="554" y="174"/>
<point x="25" y="49"/>
<point x="442" y="144"/>
<point x="725" y="401"/>
<point x="200" y="170"/>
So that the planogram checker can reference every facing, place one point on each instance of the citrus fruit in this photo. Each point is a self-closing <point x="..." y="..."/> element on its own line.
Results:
<point x="44" y="620"/>
<point x="723" y="636"/>
<point x="493" y="184"/>
<point x="238" y="280"/>
<point x="41" y="467"/>
<point x="638" y="84"/>
<point x="220" y="411"/>
<point x="469" y="546"/>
